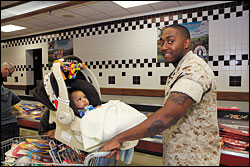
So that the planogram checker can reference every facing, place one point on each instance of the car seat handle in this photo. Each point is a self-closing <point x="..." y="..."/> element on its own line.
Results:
<point x="72" y="57"/>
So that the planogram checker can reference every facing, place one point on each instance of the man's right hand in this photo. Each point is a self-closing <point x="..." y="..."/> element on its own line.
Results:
<point x="114" y="146"/>
<point x="51" y="133"/>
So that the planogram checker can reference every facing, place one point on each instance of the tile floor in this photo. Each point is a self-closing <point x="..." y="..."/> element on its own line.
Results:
<point x="141" y="159"/>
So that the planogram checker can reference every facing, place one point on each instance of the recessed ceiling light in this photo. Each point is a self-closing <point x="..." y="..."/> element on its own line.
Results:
<point x="129" y="4"/>
<point x="10" y="28"/>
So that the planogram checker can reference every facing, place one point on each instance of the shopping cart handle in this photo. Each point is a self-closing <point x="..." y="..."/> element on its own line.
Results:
<point x="94" y="155"/>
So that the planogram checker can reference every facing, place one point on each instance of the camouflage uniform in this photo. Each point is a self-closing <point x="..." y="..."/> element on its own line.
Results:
<point x="194" y="139"/>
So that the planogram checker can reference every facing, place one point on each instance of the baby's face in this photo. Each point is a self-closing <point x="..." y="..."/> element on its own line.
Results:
<point x="80" y="99"/>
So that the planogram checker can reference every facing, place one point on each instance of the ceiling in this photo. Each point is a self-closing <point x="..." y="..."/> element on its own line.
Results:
<point x="81" y="13"/>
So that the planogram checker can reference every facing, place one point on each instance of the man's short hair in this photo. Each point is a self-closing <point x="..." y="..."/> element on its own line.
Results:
<point x="9" y="65"/>
<point x="184" y="31"/>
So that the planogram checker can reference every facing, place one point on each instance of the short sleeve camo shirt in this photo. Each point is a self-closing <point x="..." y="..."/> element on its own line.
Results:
<point x="194" y="139"/>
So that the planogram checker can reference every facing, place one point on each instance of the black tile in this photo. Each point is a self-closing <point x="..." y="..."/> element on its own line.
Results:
<point x="215" y="63"/>
<point x="204" y="8"/>
<point x="232" y="79"/>
<point x="238" y="78"/>
<point x="100" y="74"/>
<point x="215" y="17"/>
<point x="210" y="12"/>
<point x="232" y="57"/>
<point x="189" y="15"/>
<point x="123" y="74"/>
<point x="210" y="58"/>
<point x="246" y="7"/>
<point x="150" y="73"/>
<point x="166" y="64"/>
<point x="136" y="80"/>
<point x="238" y="14"/>
<point x="226" y="63"/>
<point x="199" y="14"/>
<point x="216" y="73"/>
<point x="193" y="20"/>
<point x="163" y="80"/>
<point x="232" y="83"/>
<point x="221" y="57"/>
<point x="232" y="9"/>
<point x="238" y="84"/>
<point x="111" y="80"/>
<point x="166" y="23"/>
<point x="245" y="57"/>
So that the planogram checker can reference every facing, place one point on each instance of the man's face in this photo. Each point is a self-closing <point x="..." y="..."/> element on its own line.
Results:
<point x="173" y="45"/>
<point x="6" y="72"/>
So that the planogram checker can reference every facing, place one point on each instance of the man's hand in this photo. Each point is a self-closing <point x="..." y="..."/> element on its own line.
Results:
<point x="114" y="146"/>
<point x="51" y="133"/>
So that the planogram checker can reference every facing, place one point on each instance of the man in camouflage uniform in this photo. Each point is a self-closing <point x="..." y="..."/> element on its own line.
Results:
<point x="189" y="115"/>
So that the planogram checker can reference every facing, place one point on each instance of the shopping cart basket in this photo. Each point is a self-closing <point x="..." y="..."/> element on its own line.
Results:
<point x="61" y="154"/>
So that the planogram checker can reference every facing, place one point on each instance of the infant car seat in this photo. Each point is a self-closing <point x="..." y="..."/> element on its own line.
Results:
<point x="52" y="92"/>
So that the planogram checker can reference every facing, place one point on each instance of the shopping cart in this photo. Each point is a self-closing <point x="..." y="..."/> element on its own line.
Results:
<point x="61" y="154"/>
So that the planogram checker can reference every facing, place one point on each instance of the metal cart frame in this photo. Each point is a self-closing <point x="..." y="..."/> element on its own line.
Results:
<point x="59" y="153"/>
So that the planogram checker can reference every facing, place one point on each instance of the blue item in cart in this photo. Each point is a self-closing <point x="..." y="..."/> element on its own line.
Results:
<point x="103" y="161"/>
<point x="85" y="109"/>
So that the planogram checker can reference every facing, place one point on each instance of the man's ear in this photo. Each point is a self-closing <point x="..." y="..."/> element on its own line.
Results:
<point x="187" y="43"/>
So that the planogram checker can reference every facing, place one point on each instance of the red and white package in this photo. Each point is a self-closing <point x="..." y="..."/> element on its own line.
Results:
<point x="235" y="144"/>
<point x="233" y="130"/>
<point x="18" y="151"/>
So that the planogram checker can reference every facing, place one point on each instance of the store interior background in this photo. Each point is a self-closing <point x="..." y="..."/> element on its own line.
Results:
<point x="119" y="46"/>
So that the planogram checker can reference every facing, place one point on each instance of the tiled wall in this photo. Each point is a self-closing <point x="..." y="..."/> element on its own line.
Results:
<point x="122" y="53"/>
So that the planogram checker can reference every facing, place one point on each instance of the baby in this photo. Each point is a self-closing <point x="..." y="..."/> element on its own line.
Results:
<point x="82" y="103"/>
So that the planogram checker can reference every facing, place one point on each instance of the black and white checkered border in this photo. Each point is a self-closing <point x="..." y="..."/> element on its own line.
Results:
<point x="147" y="63"/>
<point x="213" y="12"/>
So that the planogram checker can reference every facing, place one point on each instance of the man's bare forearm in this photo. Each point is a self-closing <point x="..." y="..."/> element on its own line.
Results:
<point x="155" y="124"/>
<point x="165" y="117"/>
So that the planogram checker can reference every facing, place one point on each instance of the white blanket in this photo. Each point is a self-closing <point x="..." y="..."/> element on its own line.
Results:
<point x="103" y="123"/>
